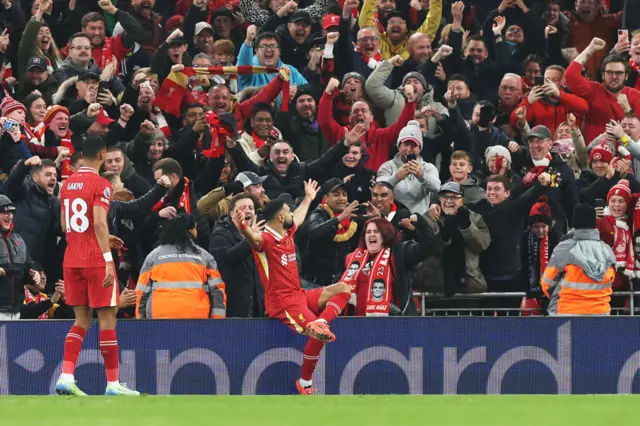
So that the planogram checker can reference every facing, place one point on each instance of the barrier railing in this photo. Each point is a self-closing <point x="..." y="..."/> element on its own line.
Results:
<point x="504" y="304"/>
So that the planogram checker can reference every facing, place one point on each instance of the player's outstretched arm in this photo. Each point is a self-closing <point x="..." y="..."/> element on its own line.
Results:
<point x="251" y="231"/>
<point x="310" y="192"/>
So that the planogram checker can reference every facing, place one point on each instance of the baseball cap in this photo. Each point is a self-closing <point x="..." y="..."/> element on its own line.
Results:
<point x="250" y="178"/>
<point x="201" y="26"/>
<point x="453" y="187"/>
<point x="88" y="75"/>
<point x="330" y="20"/>
<point x="540" y="132"/>
<point x="300" y="15"/>
<point x="332" y="185"/>
<point x="36" y="62"/>
<point x="103" y="118"/>
<point x="222" y="11"/>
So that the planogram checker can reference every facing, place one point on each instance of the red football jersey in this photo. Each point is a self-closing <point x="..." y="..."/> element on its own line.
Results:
<point x="79" y="194"/>
<point x="278" y="268"/>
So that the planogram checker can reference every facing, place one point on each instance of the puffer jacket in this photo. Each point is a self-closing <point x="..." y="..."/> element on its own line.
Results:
<point x="430" y="274"/>
<point x="579" y="275"/>
<point x="16" y="262"/>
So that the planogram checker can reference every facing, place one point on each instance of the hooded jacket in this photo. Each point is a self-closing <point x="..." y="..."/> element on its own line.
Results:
<point x="579" y="275"/>
<point x="68" y="69"/>
<point x="16" y="262"/>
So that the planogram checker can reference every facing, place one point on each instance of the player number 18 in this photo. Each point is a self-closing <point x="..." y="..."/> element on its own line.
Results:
<point x="78" y="222"/>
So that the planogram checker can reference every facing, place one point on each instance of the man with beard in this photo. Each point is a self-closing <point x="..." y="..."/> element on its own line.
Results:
<point x="383" y="198"/>
<point x="332" y="232"/>
<point x="80" y="62"/>
<point x="245" y="293"/>
<point x="267" y="53"/>
<point x="588" y="22"/>
<point x="563" y="191"/>
<point x="378" y="141"/>
<point x="394" y="41"/>
<point x="285" y="174"/>
<point x="37" y="78"/>
<point x="613" y="98"/>
<point x="420" y="51"/>
<point x="145" y="29"/>
<point x="216" y="203"/>
<point x="301" y="126"/>
<point x="221" y="100"/>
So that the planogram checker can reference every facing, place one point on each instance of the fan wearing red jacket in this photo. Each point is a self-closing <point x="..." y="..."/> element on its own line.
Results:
<point x="377" y="141"/>
<point x="609" y="100"/>
<point x="549" y="104"/>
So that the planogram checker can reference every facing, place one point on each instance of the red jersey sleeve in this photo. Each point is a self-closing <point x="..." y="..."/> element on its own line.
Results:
<point x="102" y="193"/>
<point x="267" y="241"/>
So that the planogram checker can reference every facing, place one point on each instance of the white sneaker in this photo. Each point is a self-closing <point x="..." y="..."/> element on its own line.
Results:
<point x="120" y="389"/>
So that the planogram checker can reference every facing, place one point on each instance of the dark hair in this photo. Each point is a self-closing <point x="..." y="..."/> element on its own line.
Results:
<point x="110" y="176"/>
<point x="390" y="235"/>
<point x="261" y="107"/>
<point x="114" y="148"/>
<point x="92" y="146"/>
<point x="484" y="103"/>
<point x="476" y="37"/>
<point x="168" y="166"/>
<point x="614" y="59"/>
<point x="190" y="105"/>
<point x="91" y="17"/>
<point x="272" y="208"/>
<point x="175" y="232"/>
<point x="459" y="77"/>
<point x="78" y="35"/>
<point x="500" y="179"/>
<point x="28" y="101"/>
<point x="47" y="162"/>
<point x="240" y="197"/>
<point x="265" y="36"/>
<point x="533" y="58"/>
<point x="75" y="157"/>
<point x="385" y="184"/>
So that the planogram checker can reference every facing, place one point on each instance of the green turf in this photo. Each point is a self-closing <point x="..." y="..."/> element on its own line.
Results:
<point x="589" y="410"/>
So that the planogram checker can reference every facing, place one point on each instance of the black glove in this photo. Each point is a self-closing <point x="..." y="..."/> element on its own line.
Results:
<point x="448" y="227"/>
<point x="463" y="218"/>
<point x="394" y="311"/>
<point x="233" y="188"/>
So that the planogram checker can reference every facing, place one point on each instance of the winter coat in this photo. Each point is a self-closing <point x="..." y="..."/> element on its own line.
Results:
<point x="308" y="141"/>
<point x="392" y="101"/>
<point x="47" y="88"/>
<point x="430" y="274"/>
<point x="245" y="292"/>
<point x="552" y="112"/>
<point x="68" y="69"/>
<point x="412" y="191"/>
<point x="593" y="187"/>
<point x="250" y="148"/>
<point x="16" y="262"/>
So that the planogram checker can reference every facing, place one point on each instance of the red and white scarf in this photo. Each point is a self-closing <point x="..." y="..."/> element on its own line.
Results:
<point x="636" y="68"/>
<point x="371" y="62"/>
<point x="380" y="271"/>
<point x="543" y="255"/>
<point x="540" y="166"/>
<point x="105" y="54"/>
<point x="622" y="244"/>
<point x="183" y="203"/>
<point x="38" y="298"/>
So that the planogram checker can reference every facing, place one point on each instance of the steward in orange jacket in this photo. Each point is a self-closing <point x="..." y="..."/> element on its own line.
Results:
<point x="581" y="270"/>
<point x="179" y="279"/>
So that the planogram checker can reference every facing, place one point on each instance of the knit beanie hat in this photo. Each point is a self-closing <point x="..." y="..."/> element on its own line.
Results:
<point x="584" y="217"/>
<point x="601" y="152"/>
<point x="622" y="189"/>
<point x="353" y="74"/>
<point x="499" y="150"/>
<point x="9" y="104"/>
<point x="418" y="76"/>
<point x="51" y="112"/>
<point x="6" y="205"/>
<point x="411" y="132"/>
<point x="540" y="212"/>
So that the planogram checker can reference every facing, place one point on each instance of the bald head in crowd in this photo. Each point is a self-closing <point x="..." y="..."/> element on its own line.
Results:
<point x="419" y="47"/>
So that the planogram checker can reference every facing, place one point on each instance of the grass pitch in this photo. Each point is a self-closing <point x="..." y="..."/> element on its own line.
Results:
<point x="472" y="410"/>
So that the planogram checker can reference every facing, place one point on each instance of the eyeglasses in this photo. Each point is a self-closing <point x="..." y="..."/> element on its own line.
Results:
<point x="269" y="47"/>
<point x="450" y="198"/>
<point x="366" y="39"/>
<point x="615" y="73"/>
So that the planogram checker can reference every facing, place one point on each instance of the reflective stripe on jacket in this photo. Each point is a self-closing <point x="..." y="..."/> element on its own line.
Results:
<point x="180" y="284"/>
<point x="579" y="275"/>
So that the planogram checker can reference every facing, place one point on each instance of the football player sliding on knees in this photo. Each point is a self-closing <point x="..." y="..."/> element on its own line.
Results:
<point x="90" y="278"/>
<point x="306" y="312"/>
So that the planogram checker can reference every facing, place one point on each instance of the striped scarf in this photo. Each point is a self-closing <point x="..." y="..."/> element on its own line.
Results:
<point x="175" y="86"/>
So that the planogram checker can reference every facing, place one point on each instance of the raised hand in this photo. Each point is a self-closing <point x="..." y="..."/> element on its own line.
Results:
<point x="333" y="84"/>
<point x="310" y="189"/>
<point x="597" y="44"/>
<point x="499" y="23"/>
<point x="164" y="181"/>
<point x="355" y="135"/>
<point x="251" y="34"/>
<point x="396" y="61"/>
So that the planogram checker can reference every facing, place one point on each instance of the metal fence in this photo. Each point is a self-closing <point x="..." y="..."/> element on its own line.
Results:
<point x="505" y="304"/>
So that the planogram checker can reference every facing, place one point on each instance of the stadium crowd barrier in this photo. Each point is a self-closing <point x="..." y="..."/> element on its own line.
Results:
<point x="440" y="355"/>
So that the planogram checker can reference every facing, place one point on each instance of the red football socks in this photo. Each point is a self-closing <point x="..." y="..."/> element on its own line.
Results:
<point x="72" y="347"/>
<point x="109" y="351"/>
<point x="310" y="359"/>
<point x="334" y="307"/>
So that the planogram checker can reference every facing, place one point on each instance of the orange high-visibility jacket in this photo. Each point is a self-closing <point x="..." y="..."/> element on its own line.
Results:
<point x="180" y="284"/>
<point x="579" y="275"/>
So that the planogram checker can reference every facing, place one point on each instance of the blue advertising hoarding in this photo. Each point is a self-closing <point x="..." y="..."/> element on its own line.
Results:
<point x="371" y="356"/>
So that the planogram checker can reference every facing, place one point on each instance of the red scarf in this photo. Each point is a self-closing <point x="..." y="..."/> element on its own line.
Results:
<point x="380" y="270"/>
<point x="622" y="245"/>
<point x="392" y="212"/>
<point x="256" y="140"/>
<point x="184" y="201"/>
<point x="539" y="168"/>
<point x="65" y="169"/>
<point x="636" y="68"/>
<point x="38" y="298"/>
<point x="219" y="132"/>
<point x="544" y="254"/>
<point x="105" y="54"/>
<point x="370" y="62"/>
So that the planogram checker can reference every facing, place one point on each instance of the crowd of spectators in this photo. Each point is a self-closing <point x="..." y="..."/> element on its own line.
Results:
<point x="457" y="137"/>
